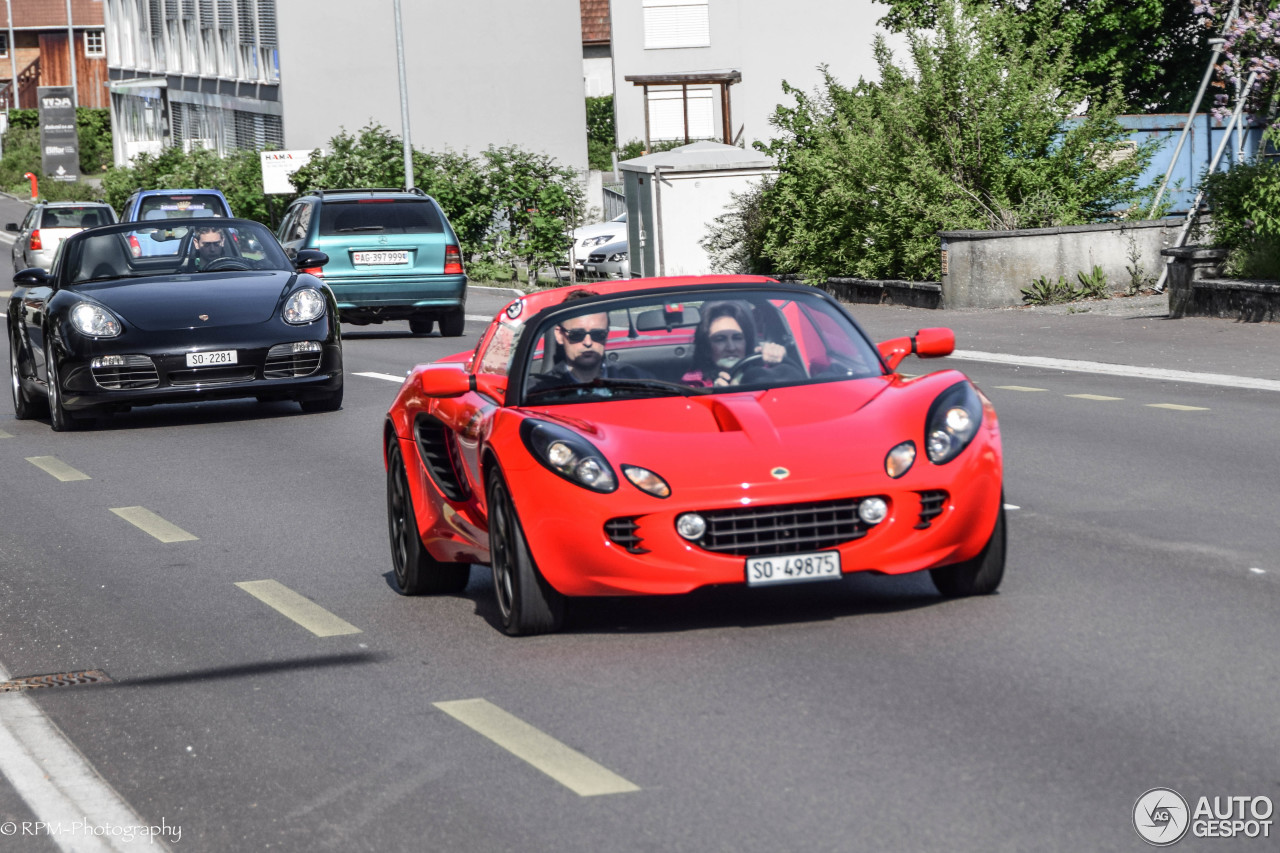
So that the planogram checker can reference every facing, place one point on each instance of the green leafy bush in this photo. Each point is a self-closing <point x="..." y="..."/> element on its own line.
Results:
<point x="1046" y="291"/>
<point x="93" y="131"/>
<point x="238" y="175"/>
<point x="1244" y="203"/>
<point x="1093" y="284"/>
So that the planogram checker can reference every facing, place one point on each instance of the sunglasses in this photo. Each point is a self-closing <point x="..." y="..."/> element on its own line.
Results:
<point x="577" y="336"/>
<point x="727" y="338"/>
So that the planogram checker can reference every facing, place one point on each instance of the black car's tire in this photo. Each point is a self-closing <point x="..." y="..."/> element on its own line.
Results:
<point x="416" y="572"/>
<point x="982" y="574"/>
<point x="59" y="418"/>
<point x="453" y="323"/>
<point x="527" y="604"/>
<point x="24" y="408"/>
<point x="328" y="403"/>
<point x="422" y="325"/>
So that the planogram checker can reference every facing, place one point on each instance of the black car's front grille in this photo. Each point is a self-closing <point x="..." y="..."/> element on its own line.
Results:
<point x="931" y="505"/>
<point x="440" y="454"/>
<point x="622" y="531"/>
<point x="283" y="362"/>
<point x="212" y="375"/>
<point x="138" y="371"/>
<point x="762" y="531"/>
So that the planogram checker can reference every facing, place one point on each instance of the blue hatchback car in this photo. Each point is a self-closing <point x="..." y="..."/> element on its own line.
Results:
<point x="392" y="256"/>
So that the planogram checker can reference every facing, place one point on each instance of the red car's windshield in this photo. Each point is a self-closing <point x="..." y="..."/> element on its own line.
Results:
<point x="685" y="343"/>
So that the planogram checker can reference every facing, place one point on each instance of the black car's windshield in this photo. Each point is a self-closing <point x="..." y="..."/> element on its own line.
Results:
<point x="187" y="248"/>
<point x="693" y="342"/>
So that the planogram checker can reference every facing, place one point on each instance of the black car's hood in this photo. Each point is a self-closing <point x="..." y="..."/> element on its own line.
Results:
<point x="165" y="303"/>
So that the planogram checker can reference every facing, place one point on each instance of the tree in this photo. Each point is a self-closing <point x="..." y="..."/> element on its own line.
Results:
<point x="238" y="175"/>
<point x="1252" y="47"/>
<point x="1155" y="50"/>
<point x="536" y="205"/>
<point x="978" y="133"/>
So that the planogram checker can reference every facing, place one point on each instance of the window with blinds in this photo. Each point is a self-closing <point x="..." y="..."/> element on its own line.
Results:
<point x="245" y="12"/>
<point x="676" y="23"/>
<point x="667" y="113"/>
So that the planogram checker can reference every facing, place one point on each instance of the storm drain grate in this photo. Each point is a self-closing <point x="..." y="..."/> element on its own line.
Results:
<point x="58" y="679"/>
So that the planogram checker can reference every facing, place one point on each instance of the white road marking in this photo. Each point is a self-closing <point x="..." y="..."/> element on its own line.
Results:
<point x="387" y="376"/>
<point x="567" y="766"/>
<point x="1011" y="506"/>
<point x="1097" y="397"/>
<point x="58" y="469"/>
<point x="1221" y="379"/>
<point x="1258" y="571"/>
<point x="300" y="609"/>
<point x="4" y="434"/>
<point x="147" y="521"/>
<point x="1019" y="388"/>
<point x="1176" y="407"/>
<point x="59" y="785"/>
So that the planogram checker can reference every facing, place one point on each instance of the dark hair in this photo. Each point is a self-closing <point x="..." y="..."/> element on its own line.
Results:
<point x="712" y="311"/>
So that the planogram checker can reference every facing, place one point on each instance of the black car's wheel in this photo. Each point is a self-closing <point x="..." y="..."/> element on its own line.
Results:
<point x="328" y="403"/>
<point x="59" y="418"/>
<point x="453" y="324"/>
<point x="982" y="574"/>
<point x="416" y="571"/>
<point x="421" y="325"/>
<point x="526" y="602"/>
<point x="24" y="408"/>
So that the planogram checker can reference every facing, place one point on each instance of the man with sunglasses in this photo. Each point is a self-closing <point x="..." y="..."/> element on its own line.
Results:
<point x="582" y="342"/>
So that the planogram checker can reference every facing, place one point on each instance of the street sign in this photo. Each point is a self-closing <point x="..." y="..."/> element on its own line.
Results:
<point x="277" y="166"/>
<point x="59" y="146"/>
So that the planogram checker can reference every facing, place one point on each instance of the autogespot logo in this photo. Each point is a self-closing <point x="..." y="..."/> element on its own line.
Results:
<point x="1160" y="816"/>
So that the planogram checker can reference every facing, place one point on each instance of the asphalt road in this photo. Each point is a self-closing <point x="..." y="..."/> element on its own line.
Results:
<point x="1131" y="646"/>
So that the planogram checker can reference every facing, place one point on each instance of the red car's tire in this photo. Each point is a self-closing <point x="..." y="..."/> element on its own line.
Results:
<point x="982" y="574"/>
<point x="415" y="571"/>
<point x="527" y="604"/>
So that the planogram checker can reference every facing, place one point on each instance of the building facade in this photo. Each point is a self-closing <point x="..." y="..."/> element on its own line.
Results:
<point x="713" y="69"/>
<point x="195" y="73"/>
<point x="34" y="35"/>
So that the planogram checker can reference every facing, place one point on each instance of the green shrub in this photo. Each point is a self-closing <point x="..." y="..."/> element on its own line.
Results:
<point x="93" y="132"/>
<point x="1093" y="284"/>
<point x="1044" y="291"/>
<point x="1244" y="204"/>
<point x="238" y="175"/>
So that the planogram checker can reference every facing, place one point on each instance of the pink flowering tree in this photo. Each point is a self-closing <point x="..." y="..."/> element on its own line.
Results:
<point x="1252" y="48"/>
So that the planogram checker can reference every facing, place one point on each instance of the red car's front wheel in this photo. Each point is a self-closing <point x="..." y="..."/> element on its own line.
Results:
<point x="526" y="602"/>
<point x="982" y="574"/>
<point x="416" y="571"/>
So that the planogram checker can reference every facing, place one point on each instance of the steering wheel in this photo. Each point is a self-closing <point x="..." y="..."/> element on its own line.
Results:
<point x="226" y="264"/>
<point x="741" y="367"/>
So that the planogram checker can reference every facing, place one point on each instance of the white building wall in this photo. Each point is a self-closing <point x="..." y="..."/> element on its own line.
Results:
<point x="480" y="73"/>
<point x="767" y="41"/>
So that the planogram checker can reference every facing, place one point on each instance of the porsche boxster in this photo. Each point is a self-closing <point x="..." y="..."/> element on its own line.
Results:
<point x="216" y="311"/>
<point x="654" y="436"/>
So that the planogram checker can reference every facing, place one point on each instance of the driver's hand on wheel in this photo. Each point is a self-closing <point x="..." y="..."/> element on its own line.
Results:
<point x="773" y="353"/>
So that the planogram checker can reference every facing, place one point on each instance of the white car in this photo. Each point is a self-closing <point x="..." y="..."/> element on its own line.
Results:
<point x="48" y="224"/>
<point x="589" y="238"/>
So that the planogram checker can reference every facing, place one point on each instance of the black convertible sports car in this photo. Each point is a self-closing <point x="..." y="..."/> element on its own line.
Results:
<point x="134" y="314"/>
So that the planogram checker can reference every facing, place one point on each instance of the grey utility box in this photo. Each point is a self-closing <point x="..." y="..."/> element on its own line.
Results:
<point x="674" y="196"/>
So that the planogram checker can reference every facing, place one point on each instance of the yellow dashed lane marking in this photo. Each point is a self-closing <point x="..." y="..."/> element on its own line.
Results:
<point x="567" y="766"/>
<point x="1098" y="397"/>
<point x="1019" y="388"/>
<point x="147" y="521"/>
<point x="4" y="434"/>
<point x="302" y="610"/>
<point x="54" y="466"/>
<point x="1176" y="407"/>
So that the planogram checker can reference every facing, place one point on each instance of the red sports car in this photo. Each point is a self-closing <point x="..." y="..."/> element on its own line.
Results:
<point x="653" y="436"/>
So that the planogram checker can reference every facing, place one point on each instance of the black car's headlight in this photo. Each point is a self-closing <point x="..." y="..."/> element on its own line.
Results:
<point x="568" y="455"/>
<point x="304" y="306"/>
<point x="952" y="423"/>
<point x="94" y="321"/>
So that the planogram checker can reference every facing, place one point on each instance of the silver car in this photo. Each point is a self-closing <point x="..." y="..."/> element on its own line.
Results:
<point x="48" y="224"/>
<point x="609" y="261"/>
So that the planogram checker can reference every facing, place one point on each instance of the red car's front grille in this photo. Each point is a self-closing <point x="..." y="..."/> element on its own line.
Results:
<point x="762" y="531"/>
<point x="622" y="531"/>
<point x="931" y="504"/>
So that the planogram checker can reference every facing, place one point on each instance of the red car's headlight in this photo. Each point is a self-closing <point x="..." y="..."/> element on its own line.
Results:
<point x="568" y="455"/>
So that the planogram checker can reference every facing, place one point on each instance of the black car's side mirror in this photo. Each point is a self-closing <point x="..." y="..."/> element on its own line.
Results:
<point x="12" y="226"/>
<point x="33" y="277"/>
<point x="310" y="259"/>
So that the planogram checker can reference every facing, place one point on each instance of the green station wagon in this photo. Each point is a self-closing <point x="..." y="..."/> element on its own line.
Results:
<point x="392" y="256"/>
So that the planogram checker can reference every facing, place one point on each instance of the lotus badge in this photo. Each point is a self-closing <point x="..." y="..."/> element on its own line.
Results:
<point x="204" y="316"/>
<point x="780" y="473"/>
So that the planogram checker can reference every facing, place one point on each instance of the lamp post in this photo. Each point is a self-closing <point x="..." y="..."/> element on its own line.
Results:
<point x="71" y="56"/>
<point x="404" y="101"/>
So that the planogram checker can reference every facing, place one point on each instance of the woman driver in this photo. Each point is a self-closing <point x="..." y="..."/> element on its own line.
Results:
<point x="726" y="335"/>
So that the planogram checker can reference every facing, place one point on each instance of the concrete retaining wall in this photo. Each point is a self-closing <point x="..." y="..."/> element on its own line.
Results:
<point x="989" y="269"/>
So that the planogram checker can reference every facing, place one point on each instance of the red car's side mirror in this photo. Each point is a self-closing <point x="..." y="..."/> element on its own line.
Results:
<point x="926" y="343"/>
<point x="492" y="386"/>
<point x="444" y="380"/>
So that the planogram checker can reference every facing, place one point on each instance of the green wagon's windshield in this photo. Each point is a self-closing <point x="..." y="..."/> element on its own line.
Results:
<point x="695" y="342"/>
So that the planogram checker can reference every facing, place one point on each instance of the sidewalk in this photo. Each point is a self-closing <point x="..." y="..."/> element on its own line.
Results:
<point x="1123" y="330"/>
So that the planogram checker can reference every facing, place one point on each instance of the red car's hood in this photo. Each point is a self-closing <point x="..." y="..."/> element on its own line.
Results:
<point x="815" y="432"/>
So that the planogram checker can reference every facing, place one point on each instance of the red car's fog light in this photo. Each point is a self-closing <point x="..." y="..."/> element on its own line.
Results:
<point x="691" y="526"/>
